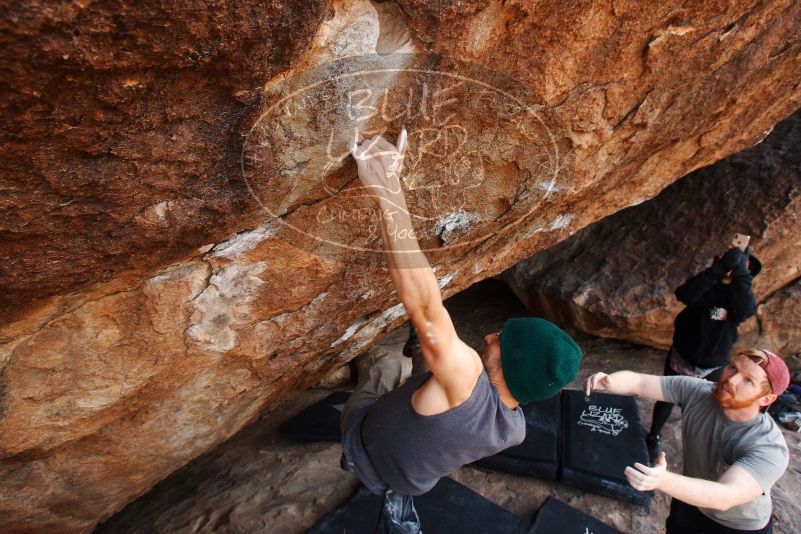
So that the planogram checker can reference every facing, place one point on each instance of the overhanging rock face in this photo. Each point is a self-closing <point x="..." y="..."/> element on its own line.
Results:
<point x="183" y="241"/>
<point x="616" y="278"/>
<point x="121" y="138"/>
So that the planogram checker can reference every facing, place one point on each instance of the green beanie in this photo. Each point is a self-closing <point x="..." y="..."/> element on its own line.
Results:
<point x="538" y="358"/>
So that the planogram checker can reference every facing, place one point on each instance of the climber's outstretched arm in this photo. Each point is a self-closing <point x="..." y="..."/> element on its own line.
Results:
<point x="379" y="164"/>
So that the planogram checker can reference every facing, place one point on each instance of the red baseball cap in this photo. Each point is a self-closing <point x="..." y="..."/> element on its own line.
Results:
<point x="777" y="371"/>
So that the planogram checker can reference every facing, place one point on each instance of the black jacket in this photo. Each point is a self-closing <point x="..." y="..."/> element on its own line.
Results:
<point x="706" y="329"/>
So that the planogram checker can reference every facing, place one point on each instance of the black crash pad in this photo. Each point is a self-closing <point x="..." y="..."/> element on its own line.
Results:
<point x="538" y="455"/>
<point x="447" y="509"/>
<point x="601" y="436"/>
<point x="318" y="422"/>
<point x="557" y="517"/>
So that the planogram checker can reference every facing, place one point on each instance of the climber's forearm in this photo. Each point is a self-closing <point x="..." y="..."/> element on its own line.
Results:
<point x="411" y="273"/>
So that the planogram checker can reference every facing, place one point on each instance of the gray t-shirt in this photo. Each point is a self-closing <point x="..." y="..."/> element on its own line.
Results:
<point x="712" y="444"/>
<point x="398" y="448"/>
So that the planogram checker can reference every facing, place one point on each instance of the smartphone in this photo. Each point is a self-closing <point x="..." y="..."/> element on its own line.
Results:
<point x="741" y="241"/>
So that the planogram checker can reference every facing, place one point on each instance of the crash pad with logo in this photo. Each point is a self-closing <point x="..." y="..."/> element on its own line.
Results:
<point x="601" y="435"/>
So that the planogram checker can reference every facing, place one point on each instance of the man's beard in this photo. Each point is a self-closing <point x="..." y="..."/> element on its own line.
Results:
<point x="727" y="400"/>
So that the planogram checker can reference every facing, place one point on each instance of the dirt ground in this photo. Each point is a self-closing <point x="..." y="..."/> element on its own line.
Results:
<point x="258" y="482"/>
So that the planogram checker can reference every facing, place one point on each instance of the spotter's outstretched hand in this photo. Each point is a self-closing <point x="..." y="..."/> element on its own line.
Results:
<point x="597" y="382"/>
<point x="643" y="478"/>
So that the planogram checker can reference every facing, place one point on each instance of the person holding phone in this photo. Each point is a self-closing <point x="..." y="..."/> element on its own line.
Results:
<point x="716" y="300"/>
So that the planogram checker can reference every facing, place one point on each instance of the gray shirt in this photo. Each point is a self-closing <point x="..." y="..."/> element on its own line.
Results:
<point x="407" y="452"/>
<point x="712" y="444"/>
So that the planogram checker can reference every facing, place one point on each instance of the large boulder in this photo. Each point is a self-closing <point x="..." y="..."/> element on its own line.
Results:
<point x="777" y="324"/>
<point x="616" y="278"/>
<point x="183" y="241"/>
